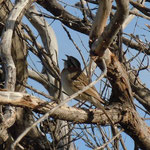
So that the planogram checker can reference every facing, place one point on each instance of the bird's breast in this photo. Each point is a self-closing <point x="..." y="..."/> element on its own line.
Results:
<point x="66" y="82"/>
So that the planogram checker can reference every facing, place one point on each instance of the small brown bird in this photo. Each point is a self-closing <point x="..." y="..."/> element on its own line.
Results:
<point x="73" y="79"/>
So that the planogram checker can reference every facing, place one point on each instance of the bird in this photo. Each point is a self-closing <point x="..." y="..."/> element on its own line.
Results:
<point x="74" y="79"/>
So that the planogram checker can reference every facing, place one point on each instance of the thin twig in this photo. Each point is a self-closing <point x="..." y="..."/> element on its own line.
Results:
<point x="103" y="146"/>
<point x="70" y="38"/>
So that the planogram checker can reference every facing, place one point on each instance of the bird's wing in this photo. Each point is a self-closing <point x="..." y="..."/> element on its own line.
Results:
<point x="81" y="81"/>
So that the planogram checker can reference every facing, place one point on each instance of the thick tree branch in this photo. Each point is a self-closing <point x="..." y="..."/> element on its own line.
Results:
<point x="39" y="77"/>
<point x="65" y="17"/>
<point x="64" y="113"/>
<point x="6" y="41"/>
<point x="100" y="45"/>
<point x="49" y="56"/>
<point x="117" y="113"/>
<point x="136" y="128"/>
<point x="132" y="13"/>
<point x="141" y="8"/>
<point x="100" y="20"/>
<point x="8" y="62"/>
<point x="116" y="73"/>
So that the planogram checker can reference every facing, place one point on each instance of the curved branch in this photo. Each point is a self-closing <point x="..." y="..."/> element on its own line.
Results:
<point x="9" y="65"/>
<point x="6" y="41"/>
<point x="100" y="19"/>
<point x="49" y="57"/>
<point x="112" y="29"/>
<point x="65" y="17"/>
<point x="132" y="12"/>
<point x="64" y="113"/>
<point x="41" y="78"/>
<point x="141" y="8"/>
<point x="117" y="113"/>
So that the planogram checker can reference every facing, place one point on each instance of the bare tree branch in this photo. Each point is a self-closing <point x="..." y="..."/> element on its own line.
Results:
<point x="64" y="112"/>
<point x="68" y="19"/>
<point x="6" y="56"/>
<point x="100" y="20"/>
<point x="141" y="8"/>
<point x="100" y="45"/>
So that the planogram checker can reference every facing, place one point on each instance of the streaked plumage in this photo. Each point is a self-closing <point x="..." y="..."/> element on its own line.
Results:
<point x="73" y="80"/>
